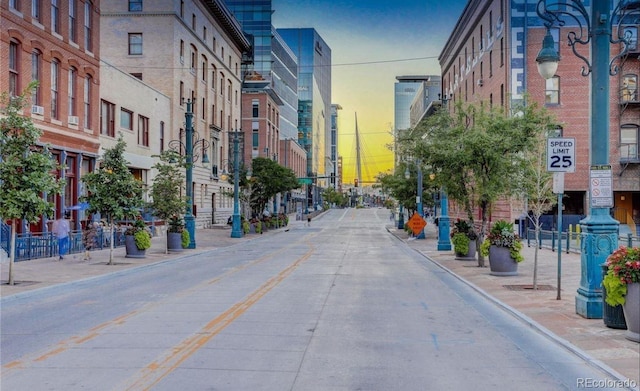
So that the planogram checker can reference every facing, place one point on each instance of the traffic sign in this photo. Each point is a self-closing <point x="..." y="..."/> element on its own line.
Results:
<point x="561" y="154"/>
<point x="600" y="186"/>
<point x="416" y="223"/>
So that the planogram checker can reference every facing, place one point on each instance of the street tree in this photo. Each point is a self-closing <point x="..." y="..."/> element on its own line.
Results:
<point x="112" y="190"/>
<point x="269" y="178"/>
<point x="333" y="197"/>
<point x="537" y="184"/>
<point x="167" y="201"/>
<point x="26" y="168"/>
<point x="478" y="154"/>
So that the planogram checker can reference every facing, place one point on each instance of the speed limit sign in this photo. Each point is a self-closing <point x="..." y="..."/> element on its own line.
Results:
<point x="561" y="154"/>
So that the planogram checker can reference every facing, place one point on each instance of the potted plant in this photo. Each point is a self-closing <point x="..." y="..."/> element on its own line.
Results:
<point x="463" y="237"/>
<point x="503" y="246"/>
<point x="622" y="285"/>
<point x="137" y="239"/>
<point x="177" y="235"/>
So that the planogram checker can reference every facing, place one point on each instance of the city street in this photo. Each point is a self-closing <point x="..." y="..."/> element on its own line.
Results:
<point x="339" y="305"/>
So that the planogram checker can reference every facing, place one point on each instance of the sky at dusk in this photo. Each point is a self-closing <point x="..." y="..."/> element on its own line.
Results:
<point x="372" y="42"/>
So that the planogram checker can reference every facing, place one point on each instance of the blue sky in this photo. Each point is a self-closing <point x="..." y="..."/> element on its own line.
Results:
<point x="370" y="42"/>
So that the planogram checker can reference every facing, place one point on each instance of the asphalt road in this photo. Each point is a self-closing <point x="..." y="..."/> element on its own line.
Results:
<point x="340" y="305"/>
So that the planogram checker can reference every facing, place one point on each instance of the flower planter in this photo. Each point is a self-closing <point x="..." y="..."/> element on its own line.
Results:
<point x="174" y="242"/>
<point x="631" y="309"/>
<point x="501" y="263"/>
<point x="471" y="253"/>
<point x="612" y="315"/>
<point x="132" y="249"/>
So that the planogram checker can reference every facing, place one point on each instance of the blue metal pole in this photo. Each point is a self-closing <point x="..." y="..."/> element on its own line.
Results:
<point x="599" y="228"/>
<point x="236" y="226"/>
<point x="400" y="218"/>
<point x="419" y="200"/>
<point x="444" y="238"/>
<point x="189" y="219"/>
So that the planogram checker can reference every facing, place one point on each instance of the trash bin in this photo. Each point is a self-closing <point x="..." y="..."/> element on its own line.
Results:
<point x="613" y="316"/>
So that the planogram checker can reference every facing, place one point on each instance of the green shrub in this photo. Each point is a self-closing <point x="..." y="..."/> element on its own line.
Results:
<point x="185" y="238"/>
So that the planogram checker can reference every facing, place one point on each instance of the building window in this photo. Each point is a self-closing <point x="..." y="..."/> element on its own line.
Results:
<point x="629" y="88"/>
<point x="256" y="109"/>
<point x="87" y="101"/>
<point x="631" y="34"/>
<point x="35" y="9"/>
<point x="126" y="119"/>
<point x="501" y="52"/>
<point x="552" y="91"/>
<point x="213" y="78"/>
<point x="36" y="74"/>
<point x="143" y="130"/>
<point x="181" y="52"/>
<point x="15" y="4"/>
<point x="182" y="9"/>
<point x="203" y="112"/>
<point x="135" y="43"/>
<point x="229" y="89"/>
<point x="88" y="25"/>
<point x="107" y="118"/>
<point x="181" y="93"/>
<point x="14" y="68"/>
<point x="55" y="16"/>
<point x="73" y="73"/>
<point x="194" y="54"/>
<point x="135" y="5"/>
<point x="204" y="69"/>
<point x="629" y="142"/>
<point x="204" y="33"/>
<point x="193" y="22"/>
<point x="73" y="30"/>
<point x="55" y="77"/>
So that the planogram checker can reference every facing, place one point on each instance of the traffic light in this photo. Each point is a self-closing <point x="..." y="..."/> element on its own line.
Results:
<point x="355" y="182"/>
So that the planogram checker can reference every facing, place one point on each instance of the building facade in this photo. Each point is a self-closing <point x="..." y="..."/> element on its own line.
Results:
<point x="191" y="51"/>
<point x="490" y="57"/>
<point x="314" y="103"/>
<point x="426" y="96"/>
<point x="57" y="44"/>
<point x="335" y="179"/>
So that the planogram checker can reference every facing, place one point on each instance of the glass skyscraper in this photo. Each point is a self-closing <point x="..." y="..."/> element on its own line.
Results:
<point x="272" y="59"/>
<point x="314" y="98"/>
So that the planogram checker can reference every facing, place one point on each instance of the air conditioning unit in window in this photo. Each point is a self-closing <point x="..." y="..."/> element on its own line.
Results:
<point x="37" y="110"/>
<point x="72" y="120"/>
<point x="480" y="82"/>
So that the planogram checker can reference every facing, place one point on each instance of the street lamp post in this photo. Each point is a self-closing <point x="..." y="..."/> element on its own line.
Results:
<point x="600" y="230"/>
<point x="191" y="143"/>
<point x="236" y="226"/>
<point x="419" y="197"/>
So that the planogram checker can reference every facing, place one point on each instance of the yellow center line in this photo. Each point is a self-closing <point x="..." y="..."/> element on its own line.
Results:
<point x="159" y="369"/>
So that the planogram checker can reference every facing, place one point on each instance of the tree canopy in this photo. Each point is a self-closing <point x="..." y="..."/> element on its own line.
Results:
<point x="269" y="178"/>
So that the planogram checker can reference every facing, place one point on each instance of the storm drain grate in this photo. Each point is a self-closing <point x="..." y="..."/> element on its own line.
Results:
<point x="526" y="287"/>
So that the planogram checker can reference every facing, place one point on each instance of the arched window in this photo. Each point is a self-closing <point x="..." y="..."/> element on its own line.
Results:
<point x="73" y="74"/>
<point x="55" y="79"/>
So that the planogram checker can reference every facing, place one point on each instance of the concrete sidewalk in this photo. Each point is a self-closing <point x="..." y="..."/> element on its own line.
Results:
<point x="604" y="347"/>
<point x="590" y="338"/>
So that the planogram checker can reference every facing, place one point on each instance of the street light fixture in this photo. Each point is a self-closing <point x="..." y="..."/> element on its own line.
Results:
<point x="190" y="146"/>
<point x="236" y="226"/>
<point x="600" y="230"/>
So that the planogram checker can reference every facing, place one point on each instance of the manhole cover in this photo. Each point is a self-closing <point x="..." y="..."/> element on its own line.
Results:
<point x="527" y="287"/>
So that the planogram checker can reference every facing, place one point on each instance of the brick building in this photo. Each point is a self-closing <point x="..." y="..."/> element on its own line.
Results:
<point x="490" y="57"/>
<point x="57" y="43"/>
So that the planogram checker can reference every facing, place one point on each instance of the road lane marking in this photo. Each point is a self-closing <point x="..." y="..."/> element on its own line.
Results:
<point x="96" y="331"/>
<point x="162" y="367"/>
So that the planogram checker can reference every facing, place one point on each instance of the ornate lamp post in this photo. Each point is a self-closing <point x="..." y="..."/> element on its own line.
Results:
<point x="236" y="226"/>
<point x="600" y="230"/>
<point x="191" y="144"/>
<point x="444" y="233"/>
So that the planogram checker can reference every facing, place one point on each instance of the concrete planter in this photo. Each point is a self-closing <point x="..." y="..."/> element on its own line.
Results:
<point x="501" y="263"/>
<point x="631" y="309"/>
<point x="132" y="249"/>
<point x="174" y="242"/>
<point x="471" y="253"/>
